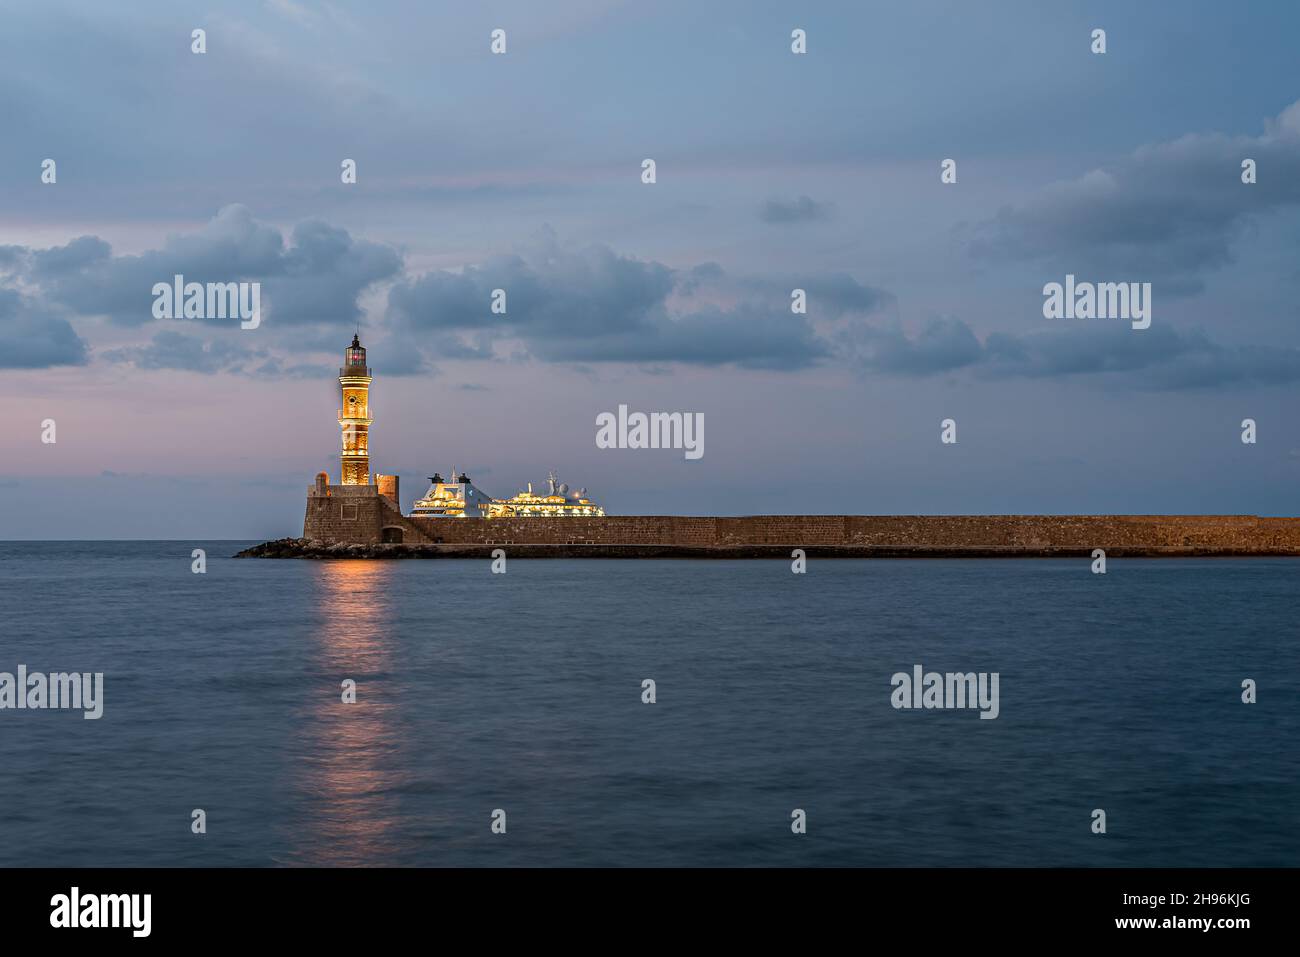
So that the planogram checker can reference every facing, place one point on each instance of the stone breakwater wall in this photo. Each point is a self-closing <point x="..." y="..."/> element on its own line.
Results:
<point x="348" y="517"/>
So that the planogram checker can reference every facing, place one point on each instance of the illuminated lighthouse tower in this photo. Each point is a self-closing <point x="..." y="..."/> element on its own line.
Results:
<point x="354" y="417"/>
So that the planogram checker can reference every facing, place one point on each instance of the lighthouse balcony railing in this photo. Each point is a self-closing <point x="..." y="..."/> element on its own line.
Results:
<point x="355" y="371"/>
<point x="354" y="415"/>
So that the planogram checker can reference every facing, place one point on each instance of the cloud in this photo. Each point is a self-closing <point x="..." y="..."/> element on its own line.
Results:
<point x="579" y="306"/>
<point x="1168" y="212"/>
<point x="804" y="209"/>
<point x="692" y="280"/>
<point x="402" y="357"/>
<point x="13" y="259"/>
<point x="170" y="349"/>
<point x="176" y="350"/>
<point x="317" y="277"/>
<point x="278" y="368"/>
<point x="833" y="295"/>
<point x="564" y="304"/>
<point x="750" y="335"/>
<point x="309" y="284"/>
<point x="1159" y="358"/>
<point x="595" y="305"/>
<point x="34" y="337"/>
<point x="942" y="345"/>
<point x="79" y="254"/>
<point x="291" y="11"/>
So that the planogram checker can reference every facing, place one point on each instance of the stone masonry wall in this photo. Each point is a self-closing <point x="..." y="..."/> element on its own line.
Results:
<point x="355" y="515"/>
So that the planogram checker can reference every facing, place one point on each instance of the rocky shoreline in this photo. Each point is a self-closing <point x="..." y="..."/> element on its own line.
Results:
<point x="316" y="549"/>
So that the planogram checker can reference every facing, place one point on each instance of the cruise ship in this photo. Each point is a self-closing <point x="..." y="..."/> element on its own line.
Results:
<point x="559" y="501"/>
<point x="461" y="498"/>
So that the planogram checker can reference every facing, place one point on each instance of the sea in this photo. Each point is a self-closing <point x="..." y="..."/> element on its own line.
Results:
<point x="503" y="719"/>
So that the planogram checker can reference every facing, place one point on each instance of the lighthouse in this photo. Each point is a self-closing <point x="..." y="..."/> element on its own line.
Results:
<point x="354" y="417"/>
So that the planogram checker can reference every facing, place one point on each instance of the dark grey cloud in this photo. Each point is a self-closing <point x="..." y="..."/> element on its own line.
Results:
<point x="803" y="209"/>
<point x="1167" y="213"/>
<point x="749" y="335"/>
<point x="594" y="305"/>
<point x="1160" y="358"/>
<point x="831" y="295"/>
<point x="463" y="347"/>
<point x="325" y="270"/>
<point x="275" y="367"/>
<point x="402" y="357"/>
<point x="176" y="350"/>
<point x="317" y="277"/>
<point x="589" y="305"/>
<point x="1165" y="359"/>
<point x="692" y="280"/>
<point x="35" y="338"/>
<point x="229" y="352"/>
<point x="66" y="260"/>
<point x="942" y="345"/>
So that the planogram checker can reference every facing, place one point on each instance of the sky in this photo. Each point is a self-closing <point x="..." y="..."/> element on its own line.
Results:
<point x="774" y="171"/>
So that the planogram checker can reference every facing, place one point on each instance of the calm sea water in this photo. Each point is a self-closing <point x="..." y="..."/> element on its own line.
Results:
<point x="523" y="692"/>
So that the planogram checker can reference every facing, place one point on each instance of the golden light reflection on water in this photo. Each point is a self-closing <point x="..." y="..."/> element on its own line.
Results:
<point x="346" y="772"/>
